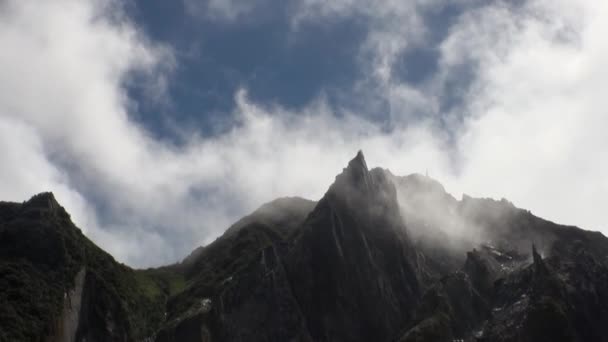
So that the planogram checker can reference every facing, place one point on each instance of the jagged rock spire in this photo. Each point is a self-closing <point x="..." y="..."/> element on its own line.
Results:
<point x="355" y="175"/>
<point x="358" y="161"/>
<point x="357" y="167"/>
<point x="354" y="245"/>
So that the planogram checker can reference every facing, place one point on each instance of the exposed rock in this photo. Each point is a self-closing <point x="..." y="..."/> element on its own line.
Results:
<point x="70" y="316"/>
<point x="58" y="286"/>
<point x="352" y="267"/>
<point x="378" y="258"/>
<point x="282" y="215"/>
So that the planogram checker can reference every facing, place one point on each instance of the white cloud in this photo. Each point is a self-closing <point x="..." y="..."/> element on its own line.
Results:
<point x="533" y="129"/>
<point x="62" y="106"/>
<point x="220" y="10"/>
<point x="533" y="116"/>
<point x="536" y="132"/>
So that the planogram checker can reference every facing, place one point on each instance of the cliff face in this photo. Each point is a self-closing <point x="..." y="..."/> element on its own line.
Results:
<point x="379" y="257"/>
<point x="352" y="266"/>
<point x="69" y="318"/>
<point x="58" y="286"/>
<point x="239" y="288"/>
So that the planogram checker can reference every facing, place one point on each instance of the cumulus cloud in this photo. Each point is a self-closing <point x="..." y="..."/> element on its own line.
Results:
<point x="536" y="114"/>
<point x="531" y="130"/>
<point x="62" y="107"/>
<point x="530" y="122"/>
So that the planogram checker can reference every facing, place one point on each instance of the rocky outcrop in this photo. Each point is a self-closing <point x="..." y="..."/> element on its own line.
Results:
<point x="352" y="267"/>
<point x="241" y="275"/>
<point x="347" y="272"/>
<point x="282" y="215"/>
<point x="70" y="315"/>
<point x="256" y="304"/>
<point x="58" y="286"/>
<point x="379" y="257"/>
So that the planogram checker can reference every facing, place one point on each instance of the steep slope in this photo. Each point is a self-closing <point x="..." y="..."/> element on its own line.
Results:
<point x="504" y="290"/>
<point x="379" y="257"/>
<point x="433" y="220"/>
<point x="237" y="288"/>
<point x="347" y="272"/>
<point x="281" y="216"/>
<point x="58" y="286"/>
<point x="352" y="266"/>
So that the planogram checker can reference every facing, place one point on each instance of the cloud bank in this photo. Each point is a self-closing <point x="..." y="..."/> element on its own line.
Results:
<point x="528" y="124"/>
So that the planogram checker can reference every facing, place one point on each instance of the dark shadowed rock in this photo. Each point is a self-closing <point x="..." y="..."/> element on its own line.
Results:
<point x="378" y="258"/>
<point x="282" y="215"/>
<point x="242" y="275"/>
<point x="58" y="286"/>
<point x="352" y="267"/>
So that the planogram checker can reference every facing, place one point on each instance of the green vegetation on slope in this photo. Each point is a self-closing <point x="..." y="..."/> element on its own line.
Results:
<point x="41" y="251"/>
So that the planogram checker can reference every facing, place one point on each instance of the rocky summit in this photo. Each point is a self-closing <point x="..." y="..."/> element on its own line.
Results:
<point x="378" y="258"/>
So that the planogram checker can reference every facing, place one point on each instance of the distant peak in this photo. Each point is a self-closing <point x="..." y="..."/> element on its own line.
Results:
<point x="358" y="162"/>
<point x="420" y="180"/>
<point x="360" y="156"/>
<point x="357" y="168"/>
<point x="355" y="175"/>
<point x="42" y="200"/>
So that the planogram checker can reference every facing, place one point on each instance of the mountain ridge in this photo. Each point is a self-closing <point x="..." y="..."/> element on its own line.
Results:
<point x="378" y="257"/>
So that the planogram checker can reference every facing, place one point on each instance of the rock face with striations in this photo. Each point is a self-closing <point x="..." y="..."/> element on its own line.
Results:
<point x="352" y="267"/>
<point x="378" y="258"/>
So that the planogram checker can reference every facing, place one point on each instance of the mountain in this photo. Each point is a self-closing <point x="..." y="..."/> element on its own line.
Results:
<point x="379" y="257"/>
<point x="56" y="285"/>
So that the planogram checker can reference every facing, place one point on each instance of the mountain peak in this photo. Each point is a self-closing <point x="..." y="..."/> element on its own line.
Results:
<point x="345" y="268"/>
<point x="43" y="200"/>
<point x="355" y="174"/>
<point x="358" y="161"/>
<point x="44" y="204"/>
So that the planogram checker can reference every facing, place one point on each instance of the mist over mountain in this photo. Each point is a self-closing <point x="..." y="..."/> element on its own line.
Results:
<point x="379" y="257"/>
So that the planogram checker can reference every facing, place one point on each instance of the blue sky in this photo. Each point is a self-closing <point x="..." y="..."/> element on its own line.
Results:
<point x="258" y="51"/>
<point x="159" y="123"/>
<point x="277" y="63"/>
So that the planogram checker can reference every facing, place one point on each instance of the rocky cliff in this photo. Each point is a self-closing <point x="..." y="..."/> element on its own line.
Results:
<point x="56" y="285"/>
<point x="379" y="257"/>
